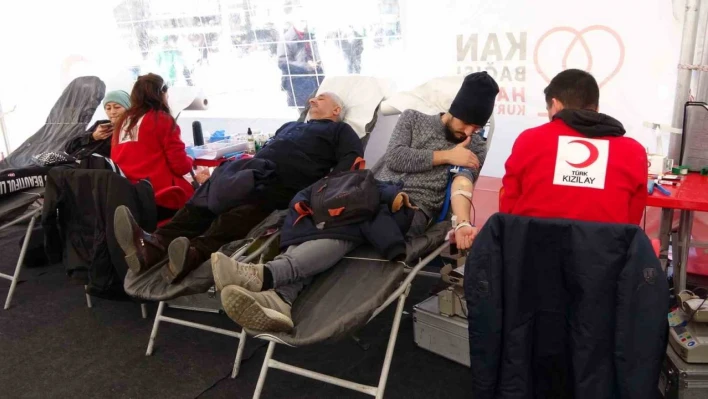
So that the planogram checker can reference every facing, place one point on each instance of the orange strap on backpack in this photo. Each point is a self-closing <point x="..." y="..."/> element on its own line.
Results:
<point x="302" y="210"/>
<point x="359" y="163"/>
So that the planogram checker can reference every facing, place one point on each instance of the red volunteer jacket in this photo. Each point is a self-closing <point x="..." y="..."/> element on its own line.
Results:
<point x="555" y="171"/>
<point x="157" y="153"/>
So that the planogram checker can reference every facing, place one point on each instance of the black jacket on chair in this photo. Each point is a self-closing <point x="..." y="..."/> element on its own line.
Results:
<point x="78" y="223"/>
<point x="564" y="309"/>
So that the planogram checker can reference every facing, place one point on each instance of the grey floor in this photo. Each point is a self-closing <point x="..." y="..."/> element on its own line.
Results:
<point x="53" y="346"/>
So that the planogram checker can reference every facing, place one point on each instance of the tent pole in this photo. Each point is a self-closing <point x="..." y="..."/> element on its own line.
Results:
<point x="702" y="90"/>
<point x="3" y="132"/>
<point x="683" y="82"/>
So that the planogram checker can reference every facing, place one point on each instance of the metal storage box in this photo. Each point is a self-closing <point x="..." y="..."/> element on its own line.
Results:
<point x="445" y="336"/>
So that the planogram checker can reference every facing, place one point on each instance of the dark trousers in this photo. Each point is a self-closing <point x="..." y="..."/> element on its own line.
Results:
<point x="207" y="231"/>
<point x="420" y="223"/>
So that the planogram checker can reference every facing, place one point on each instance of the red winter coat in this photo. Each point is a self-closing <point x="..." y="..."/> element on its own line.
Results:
<point x="579" y="166"/>
<point x="156" y="153"/>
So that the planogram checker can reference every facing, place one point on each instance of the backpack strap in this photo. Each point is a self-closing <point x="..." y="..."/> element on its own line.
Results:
<point x="302" y="210"/>
<point x="359" y="163"/>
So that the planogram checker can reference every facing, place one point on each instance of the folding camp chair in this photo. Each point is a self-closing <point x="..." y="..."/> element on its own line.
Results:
<point x="89" y="304"/>
<point x="375" y="90"/>
<point x="367" y="285"/>
<point x="246" y="253"/>
<point x="21" y="203"/>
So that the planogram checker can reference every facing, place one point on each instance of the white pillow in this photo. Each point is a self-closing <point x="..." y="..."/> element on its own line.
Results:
<point x="431" y="97"/>
<point x="360" y="94"/>
<point x="181" y="97"/>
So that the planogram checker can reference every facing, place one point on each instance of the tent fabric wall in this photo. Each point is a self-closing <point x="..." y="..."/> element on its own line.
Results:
<point x="634" y="58"/>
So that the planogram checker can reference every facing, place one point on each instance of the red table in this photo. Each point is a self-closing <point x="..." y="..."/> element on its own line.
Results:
<point x="690" y="196"/>
<point x="486" y="199"/>
<point x="213" y="163"/>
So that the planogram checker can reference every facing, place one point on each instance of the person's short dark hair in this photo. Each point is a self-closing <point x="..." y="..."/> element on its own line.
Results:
<point x="574" y="88"/>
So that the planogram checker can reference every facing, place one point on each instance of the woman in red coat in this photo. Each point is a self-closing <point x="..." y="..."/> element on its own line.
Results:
<point x="147" y="144"/>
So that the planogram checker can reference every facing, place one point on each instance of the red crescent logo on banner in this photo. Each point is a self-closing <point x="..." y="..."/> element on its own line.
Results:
<point x="578" y="38"/>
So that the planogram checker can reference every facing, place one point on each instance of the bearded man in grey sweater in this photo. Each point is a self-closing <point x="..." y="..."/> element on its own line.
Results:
<point x="421" y="151"/>
<point x="424" y="147"/>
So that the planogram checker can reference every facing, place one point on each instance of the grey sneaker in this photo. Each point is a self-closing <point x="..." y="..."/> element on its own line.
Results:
<point x="228" y="271"/>
<point x="261" y="311"/>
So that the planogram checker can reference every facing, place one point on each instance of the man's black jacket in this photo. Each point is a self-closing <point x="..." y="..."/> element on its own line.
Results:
<point x="564" y="309"/>
<point x="300" y="154"/>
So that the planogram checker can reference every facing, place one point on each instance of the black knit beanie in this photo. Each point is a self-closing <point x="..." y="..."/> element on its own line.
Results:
<point x="474" y="102"/>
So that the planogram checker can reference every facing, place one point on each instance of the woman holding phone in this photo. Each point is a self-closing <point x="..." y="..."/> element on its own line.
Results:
<point x="115" y="103"/>
<point x="147" y="144"/>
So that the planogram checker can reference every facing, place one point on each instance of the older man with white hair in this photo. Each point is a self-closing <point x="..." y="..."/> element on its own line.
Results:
<point x="242" y="193"/>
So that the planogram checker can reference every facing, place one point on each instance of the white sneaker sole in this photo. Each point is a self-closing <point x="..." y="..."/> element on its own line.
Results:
<point x="242" y="308"/>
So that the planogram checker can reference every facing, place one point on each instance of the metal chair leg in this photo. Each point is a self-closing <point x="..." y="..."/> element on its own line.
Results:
<point x="153" y="334"/>
<point x="239" y="353"/>
<point x="264" y="371"/>
<point x="391" y="345"/>
<point x="20" y="260"/>
<point x="88" y="298"/>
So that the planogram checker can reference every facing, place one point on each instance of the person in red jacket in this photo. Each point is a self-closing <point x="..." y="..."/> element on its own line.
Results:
<point x="579" y="165"/>
<point x="148" y="144"/>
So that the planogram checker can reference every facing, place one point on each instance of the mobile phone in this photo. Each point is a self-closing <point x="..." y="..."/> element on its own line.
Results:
<point x="107" y="125"/>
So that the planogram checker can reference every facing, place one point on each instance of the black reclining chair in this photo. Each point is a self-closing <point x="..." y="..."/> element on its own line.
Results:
<point x="22" y="181"/>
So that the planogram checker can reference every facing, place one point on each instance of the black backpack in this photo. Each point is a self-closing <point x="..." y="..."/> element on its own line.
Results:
<point x="344" y="198"/>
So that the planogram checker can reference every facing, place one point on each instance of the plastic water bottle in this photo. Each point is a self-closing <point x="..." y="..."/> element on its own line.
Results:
<point x="251" y="142"/>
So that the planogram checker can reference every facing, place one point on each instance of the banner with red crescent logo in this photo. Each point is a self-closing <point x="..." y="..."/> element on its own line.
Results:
<point x="523" y="46"/>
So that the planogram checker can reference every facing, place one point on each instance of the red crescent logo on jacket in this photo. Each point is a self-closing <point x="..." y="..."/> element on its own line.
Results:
<point x="594" y="154"/>
<point x="581" y="162"/>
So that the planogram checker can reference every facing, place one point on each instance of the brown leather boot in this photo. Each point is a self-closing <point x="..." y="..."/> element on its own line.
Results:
<point x="142" y="250"/>
<point x="183" y="258"/>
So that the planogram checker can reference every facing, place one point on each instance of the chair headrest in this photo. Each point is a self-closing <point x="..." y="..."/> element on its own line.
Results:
<point x="361" y="96"/>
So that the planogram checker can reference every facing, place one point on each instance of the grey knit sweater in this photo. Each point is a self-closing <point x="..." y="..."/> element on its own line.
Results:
<point x="409" y="158"/>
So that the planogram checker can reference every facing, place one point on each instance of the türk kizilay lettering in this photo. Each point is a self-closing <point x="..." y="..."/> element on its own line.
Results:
<point x="578" y="179"/>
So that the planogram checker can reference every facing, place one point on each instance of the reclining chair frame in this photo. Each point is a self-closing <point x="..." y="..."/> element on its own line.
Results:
<point x="399" y="295"/>
<point x="33" y="197"/>
<point x="241" y="336"/>
<point x="89" y="304"/>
